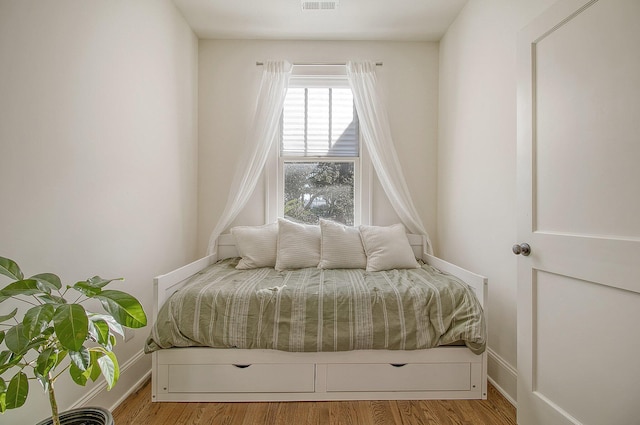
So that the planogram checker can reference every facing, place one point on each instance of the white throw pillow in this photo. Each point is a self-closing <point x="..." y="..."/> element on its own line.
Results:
<point x="298" y="245"/>
<point x="341" y="247"/>
<point x="256" y="245"/>
<point x="387" y="248"/>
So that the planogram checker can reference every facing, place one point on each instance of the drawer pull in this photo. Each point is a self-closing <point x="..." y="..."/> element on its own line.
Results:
<point x="398" y="364"/>
<point x="242" y="366"/>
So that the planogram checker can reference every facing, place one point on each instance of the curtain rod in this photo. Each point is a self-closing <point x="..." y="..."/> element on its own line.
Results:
<point x="318" y="64"/>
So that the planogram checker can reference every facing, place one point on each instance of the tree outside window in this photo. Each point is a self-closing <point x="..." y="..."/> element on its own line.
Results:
<point x="319" y="153"/>
<point x="314" y="190"/>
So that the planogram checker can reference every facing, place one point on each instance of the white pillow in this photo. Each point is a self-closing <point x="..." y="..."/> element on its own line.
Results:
<point x="256" y="245"/>
<point x="341" y="247"/>
<point x="298" y="245"/>
<point x="387" y="248"/>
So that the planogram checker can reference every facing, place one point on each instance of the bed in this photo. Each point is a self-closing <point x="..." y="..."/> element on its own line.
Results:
<point x="260" y="366"/>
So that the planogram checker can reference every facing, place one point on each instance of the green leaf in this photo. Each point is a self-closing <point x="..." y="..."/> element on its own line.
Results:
<point x="110" y="369"/>
<point x="79" y="376"/>
<point x="43" y="380"/>
<point x="46" y="333"/>
<point x="62" y="354"/>
<point x="21" y="287"/>
<point x="124" y="308"/>
<point x="37" y="319"/>
<point x="1" y="336"/>
<point x="15" y="339"/>
<point x="93" y="286"/>
<point x="86" y="289"/>
<point x="35" y="343"/>
<point x="10" y="268"/>
<point x="99" y="330"/>
<point x="81" y="359"/>
<point x="98" y="282"/>
<point x="46" y="361"/>
<point x="17" y="391"/>
<point x="8" y="360"/>
<point x="49" y="281"/>
<point x="52" y="299"/>
<point x="5" y="356"/>
<point x="95" y="367"/>
<point x="3" y="396"/>
<point x="71" y="325"/>
<point x="113" y="325"/>
<point x="8" y="316"/>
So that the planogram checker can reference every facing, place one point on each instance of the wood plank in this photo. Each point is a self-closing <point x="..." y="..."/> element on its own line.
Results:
<point x="496" y="410"/>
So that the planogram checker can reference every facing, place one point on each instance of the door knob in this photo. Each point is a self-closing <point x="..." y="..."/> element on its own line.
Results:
<point x="523" y="249"/>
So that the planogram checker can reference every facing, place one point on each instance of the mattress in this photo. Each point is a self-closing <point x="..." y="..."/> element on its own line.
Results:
<point x="312" y="310"/>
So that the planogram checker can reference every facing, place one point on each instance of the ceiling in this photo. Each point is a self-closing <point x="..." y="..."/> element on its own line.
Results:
<point x="402" y="20"/>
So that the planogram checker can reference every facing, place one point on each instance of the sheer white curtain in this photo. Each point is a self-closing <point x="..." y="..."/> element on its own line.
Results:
<point x="273" y="88"/>
<point x="376" y="133"/>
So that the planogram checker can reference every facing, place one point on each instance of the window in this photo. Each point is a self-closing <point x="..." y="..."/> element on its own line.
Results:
<point x="314" y="190"/>
<point x="319" y="160"/>
<point x="319" y="122"/>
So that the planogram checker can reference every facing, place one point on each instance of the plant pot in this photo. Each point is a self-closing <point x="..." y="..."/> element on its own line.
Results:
<point x="83" y="416"/>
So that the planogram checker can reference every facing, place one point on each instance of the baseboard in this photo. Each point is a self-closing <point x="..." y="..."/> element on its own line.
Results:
<point x="133" y="374"/>
<point x="503" y="376"/>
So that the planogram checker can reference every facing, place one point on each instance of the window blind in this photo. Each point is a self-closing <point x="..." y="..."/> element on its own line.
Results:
<point x="319" y="122"/>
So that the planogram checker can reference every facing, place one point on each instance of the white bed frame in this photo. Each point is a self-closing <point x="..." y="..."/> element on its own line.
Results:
<point x="213" y="374"/>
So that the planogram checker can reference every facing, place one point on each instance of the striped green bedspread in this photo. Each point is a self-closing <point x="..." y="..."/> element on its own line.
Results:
<point x="320" y="310"/>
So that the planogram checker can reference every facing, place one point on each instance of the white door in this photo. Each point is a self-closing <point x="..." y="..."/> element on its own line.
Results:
<point x="579" y="210"/>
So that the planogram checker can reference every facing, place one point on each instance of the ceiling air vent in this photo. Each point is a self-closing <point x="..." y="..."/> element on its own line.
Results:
<point x="319" y="5"/>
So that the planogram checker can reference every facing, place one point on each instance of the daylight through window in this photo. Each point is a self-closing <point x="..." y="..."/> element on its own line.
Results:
<point x="319" y="154"/>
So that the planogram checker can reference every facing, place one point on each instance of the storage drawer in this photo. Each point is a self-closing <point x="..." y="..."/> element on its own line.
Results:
<point x="406" y="377"/>
<point x="255" y="378"/>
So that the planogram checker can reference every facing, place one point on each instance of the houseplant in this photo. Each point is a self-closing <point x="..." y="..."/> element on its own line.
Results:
<point x="54" y="333"/>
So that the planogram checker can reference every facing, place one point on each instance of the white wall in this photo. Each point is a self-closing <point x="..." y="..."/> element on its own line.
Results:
<point x="98" y="162"/>
<point x="228" y="83"/>
<point x="477" y="160"/>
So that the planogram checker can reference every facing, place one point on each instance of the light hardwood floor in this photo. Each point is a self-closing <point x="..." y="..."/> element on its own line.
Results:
<point x="496" y="410"/>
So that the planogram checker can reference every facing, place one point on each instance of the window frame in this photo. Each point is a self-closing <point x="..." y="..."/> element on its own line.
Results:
<point x="327" y="77"/>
